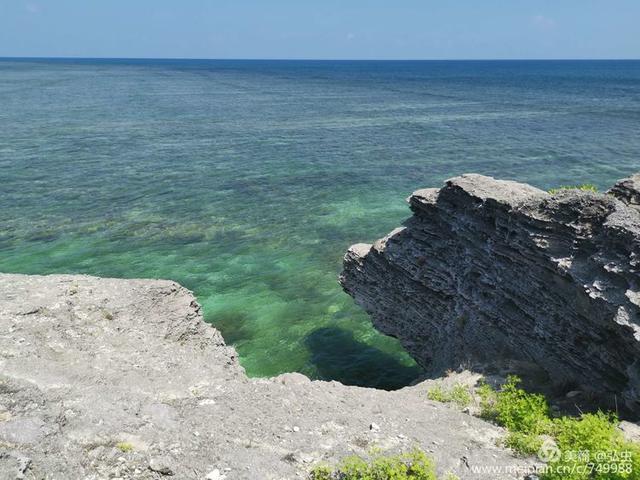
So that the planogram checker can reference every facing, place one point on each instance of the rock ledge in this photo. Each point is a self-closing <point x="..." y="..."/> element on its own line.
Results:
<point x="103" y="378"/>
<point x="492" y="272"/>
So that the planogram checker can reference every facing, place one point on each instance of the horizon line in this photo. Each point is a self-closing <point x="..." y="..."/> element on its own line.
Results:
<point x="301" y="59"/>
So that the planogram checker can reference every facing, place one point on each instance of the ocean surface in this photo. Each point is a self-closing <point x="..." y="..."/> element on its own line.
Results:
<point x="247" y="180"/>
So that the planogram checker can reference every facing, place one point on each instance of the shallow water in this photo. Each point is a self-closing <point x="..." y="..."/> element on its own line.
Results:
<point x="246" y="181"/>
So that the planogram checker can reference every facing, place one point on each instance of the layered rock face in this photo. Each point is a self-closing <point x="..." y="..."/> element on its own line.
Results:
<point x="491" y="272"/>
<point x="628" y="190"/>
<point x="122" y="379"/>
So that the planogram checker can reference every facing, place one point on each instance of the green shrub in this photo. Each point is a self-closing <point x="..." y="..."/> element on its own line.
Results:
<point x="585" y="187"/>
<point x="488" y="398"/>
<point x="458" y="394"/>
<point x="524" y="443"/>
<point x="589" y="447"/>
<point x="592" y="447"/>
<point x="589" y="432"/>
<point x="414" y="465"/>
<point x="520" y="411"/>
<point x="321" y="472"/>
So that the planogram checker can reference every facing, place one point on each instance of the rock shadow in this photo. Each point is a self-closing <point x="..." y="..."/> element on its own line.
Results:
<point x="337" y="355"/>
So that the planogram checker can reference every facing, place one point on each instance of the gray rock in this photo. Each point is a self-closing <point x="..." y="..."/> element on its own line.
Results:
<point x="214" y="475"/>
<point x="627" y="190"/>
<point x="22" y="430"/>
<point x="161" y="465"/>
<point x="96" y="397"/>
<point x="13" y="465"/>
<point x="491" y="272"/>
<point x="631" y="431"/>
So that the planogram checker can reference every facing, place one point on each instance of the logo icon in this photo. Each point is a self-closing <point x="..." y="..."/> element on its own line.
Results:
<point x="549" y="451"/>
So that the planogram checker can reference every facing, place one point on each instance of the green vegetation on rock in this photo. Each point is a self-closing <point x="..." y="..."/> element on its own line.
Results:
<point x="588" y="447"/>
<point x="415" y="465"/>
<point x="125" y="447"/>
<point x="585" y="187"/>
<point x="515" y="409"/>
<point x="458" y="394"/>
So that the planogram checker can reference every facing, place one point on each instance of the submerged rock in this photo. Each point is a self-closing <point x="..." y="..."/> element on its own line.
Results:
<point x="493" y="272"/>
<point x="103" y="378"/>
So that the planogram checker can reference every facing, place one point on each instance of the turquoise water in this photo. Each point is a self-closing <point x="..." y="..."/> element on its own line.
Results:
<point x="246" y="181"/>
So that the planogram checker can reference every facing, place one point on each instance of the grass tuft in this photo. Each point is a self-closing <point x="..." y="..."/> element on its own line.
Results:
<point x="124" y="447"/>
<point x="516" y="409"/>
<point x="415" y="465"/>
<point x="588" y="447"/>
<point x="458" y="394"/>
<point x="585" y="187"/>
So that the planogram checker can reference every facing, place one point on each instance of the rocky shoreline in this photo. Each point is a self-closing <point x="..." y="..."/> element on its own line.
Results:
<point x="107" y="379"/>
<point x="490" y="273"/>
<point x="122" y="379"/>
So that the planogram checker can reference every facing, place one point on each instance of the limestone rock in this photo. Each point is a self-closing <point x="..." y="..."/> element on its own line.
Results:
<point x="627" y="190"/>
<point x="162" y="465"/>
<point x="491" y="272"/>
<point x="151" y="389"/>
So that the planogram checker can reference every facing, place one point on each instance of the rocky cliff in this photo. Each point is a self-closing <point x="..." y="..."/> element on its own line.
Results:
<point x="489" y="272"/>
<point x="122" y="379"/>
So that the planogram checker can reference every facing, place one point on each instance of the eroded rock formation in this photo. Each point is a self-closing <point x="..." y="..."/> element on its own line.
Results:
<point x="103" y="378"/>
<point x="489" y="271"/>
<point x="628" y="190"/>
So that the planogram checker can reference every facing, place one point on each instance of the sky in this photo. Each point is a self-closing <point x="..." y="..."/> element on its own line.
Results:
<point x="321" y="29"/>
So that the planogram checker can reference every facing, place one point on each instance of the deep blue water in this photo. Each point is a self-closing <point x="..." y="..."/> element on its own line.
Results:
<point x="247" y="180"/>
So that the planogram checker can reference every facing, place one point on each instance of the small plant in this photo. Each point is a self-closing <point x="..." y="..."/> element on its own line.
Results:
<point x="458" y="394"/>
<point x="321" y="472"/>
<point x="585" y="187"/>
<point x="437" y="394"/>
<point x="488" y="398"/>
<point x="414" y="465"/>
<point x="589" y="447"/>
<point x="520" y="411"/>
<point x="524" y="443"/>
<point x="592" y="447"/>
<point x="525" y="415"/>
<point x="124" y="447"/>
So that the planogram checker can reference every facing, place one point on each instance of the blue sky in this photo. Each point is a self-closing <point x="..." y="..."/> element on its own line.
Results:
<point x="383" y="29"/>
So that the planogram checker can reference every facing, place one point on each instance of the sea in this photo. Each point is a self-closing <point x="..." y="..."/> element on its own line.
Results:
<point x="246" y="181"/>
